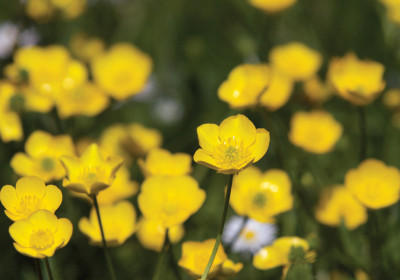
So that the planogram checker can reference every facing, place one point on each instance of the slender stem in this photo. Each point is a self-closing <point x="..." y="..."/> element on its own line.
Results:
<point x="103" y="238"/>
<point x="363" y="133"/>
<point x="160" y="261"/>
<point x="175" y="268"/>
<point x="49" y="273"/>
<point x="220" y="229"/>
<point x="38" y="269"/>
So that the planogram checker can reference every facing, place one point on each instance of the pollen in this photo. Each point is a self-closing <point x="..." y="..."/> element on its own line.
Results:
<point x="42" y="239"/>
<point x="232" y="154"/>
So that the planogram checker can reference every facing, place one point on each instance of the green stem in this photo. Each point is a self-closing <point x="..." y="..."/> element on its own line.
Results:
<point x="49" y="273"/>
<point x="103" y="238"/>
<point x="220" y="229"/>
<point x="38" y="269"/>
<point x="160" y="261"/>
<point x="173" y="263"/>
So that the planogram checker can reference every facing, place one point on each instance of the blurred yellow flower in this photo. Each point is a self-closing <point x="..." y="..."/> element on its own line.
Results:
<point x="195" y="257"/>
<point x="87" y="100"/>
<point x="272" y="5"/>
<point x="118" y="221"/>
<point x="70" y="8"/>
<point x="278" y="92"/>
<point x="278" y="253"/>
<point x="29" y="195"/>
<point x="231" y="146"/>
<point x="162" y="162"/>
<point x="171" y="200"/>
<point x="295" y="60"/>
<point x="122" y="71"/>
<point x="358" y="81"/>
<point x="316" y="90"/>
<point x="374" y="184"/>
<point x="151" y="234"/>
<point x="229" y="269"/>
<point x="86" y="48"/>
<point x="391" y="98"/>
<point x="244" y="85"/>
<point x="316" y="131"/>
<point x="261" y="196"/>
<point x="141" y="139"/>
<point x="42" y="158"/>
<point x="338" y="203"/>
<point x="40" y="10"/>
<point x="90" y="173"/>
<point x="43" y="10"/>
<point x="10" y="123"/>
<point x="41" y="234"/>
<point x="112" y="141"/>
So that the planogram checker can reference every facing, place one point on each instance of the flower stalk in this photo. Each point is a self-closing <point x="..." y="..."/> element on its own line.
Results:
<point x="38" y="269"/>
<point x="106" y="253"/>
<point x="48" y="268"/>
<point x="160" y="261"/>
<point x="220" y="229"/>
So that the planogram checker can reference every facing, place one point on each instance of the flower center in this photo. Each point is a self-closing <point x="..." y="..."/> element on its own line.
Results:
<point x="48" y="164"/>
<point x="42" y="239"/>
<point x="27" y="205"/>
<point x="93" y="174"/>
<point x="259" y="199"/>
<point x="232" y="154"/>
<point x="248" y="235"/>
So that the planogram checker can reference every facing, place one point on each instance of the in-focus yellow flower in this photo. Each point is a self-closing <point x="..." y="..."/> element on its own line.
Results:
<point x="170" y="200"/>
<point x="86" y="48"/>
<point x="141" y="139"/>
<point x="358" y="81"/>
<point x="315" y="131"/>
<point x="87" y="100"/>
<point x="374" y="184"/>
<point x="278" y="92"/>
<point x="338" y="203"/>
<point x="272" y="5"/>
<point x="317" y="91"/>
<point x="231" y="146"/>
<point x="261" y="196"/>
<point x="41" y="234"/>
<point x="391" y="99"/>
<point x="122" y="71"/>
<point x="195" y="257"/>
<point x="295" y="60"/>
<point x="42" y="158"/>
<point x="244" y="85"/>
<point x="278" y="253"/>
<point x="162" y="162"/>
<point x="118" y="221"/>
<point x="151" y="234"/>
<point x="90" y="173"/>
<point x="29" y="195"/>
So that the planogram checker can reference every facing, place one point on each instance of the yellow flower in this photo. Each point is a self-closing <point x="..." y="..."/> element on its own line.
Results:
<point x="272" y="5"/>
<point x="86" y="48"/>
<point x="296" y="60"/>
<point x="391" y="99"/>
<point x="39" y="9"/>
<point x="316" y="91"/>
<point x="162" y="162"/>
<point x="278" y="253"/>
<point x="358" y="81"/>
<point x="40" y="235"/>
<point x="170" y="200"/>
<point x="90" y="173"/>
<point x="112" y="142"/>
<point x="88" y="100"/>
<point x="29" y="195"/>
<point x="122" y="71"/>
<point x="374" y="184"/>
<point x="278" y="92"/>
<point x="244" y="85"/>
<point x="70" y="8"/>
<point x="10" y="127"/>
<point x="32" y="100"/>
<point x="195" y="257"/>
<point x="42" y="158"/>
<point x="229" y="269"/>
<point x="118" y="221"/>
<point x="261" y="196"/>
<point x="141" y="139"/>
<point x="231" y="146"/>
<point x="316" y="131"/>
<point x="338" y="203"/>
<point x="151" y="234"/>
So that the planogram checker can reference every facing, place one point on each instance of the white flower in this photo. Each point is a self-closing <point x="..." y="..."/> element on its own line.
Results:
<point x="8" y="38"/>
<point x="248" y="237"/>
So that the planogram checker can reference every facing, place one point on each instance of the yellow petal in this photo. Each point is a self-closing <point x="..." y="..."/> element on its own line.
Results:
<point x="238" y="127"/>
<point x="28" y="251"/>
<point x="30" y="186"/>
<point x="203" y="158"/>
<point x="92" y="154"/>
<point x="267" y="258"/>
<point x="10" y="127"/>
<point x="38" y="143"/>
<point x="261" y="145"/>
<point x="22" y="165"/>
<point x="52" y="200"/>
<point x="63" y="233"/>
<point x="8" y="197"/>
<point x="20" y="232"/>
<point x="44" y="219"/>
<point x="208" y="137"/>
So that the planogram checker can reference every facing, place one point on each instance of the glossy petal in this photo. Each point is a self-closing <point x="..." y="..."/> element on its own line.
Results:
<point x="239" y="127"/>
<point x="267" y="258"/>
<point x="53" y="198"/>
<point x="261" y="145"/>
<point x="208" y="137"/>
<point x="8" y="197"/>
<point x="20" y="232"/>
